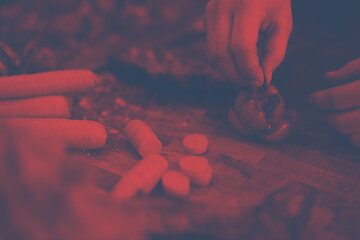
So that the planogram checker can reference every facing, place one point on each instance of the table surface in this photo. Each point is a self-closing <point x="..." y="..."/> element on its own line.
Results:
<point x="306" y="187"/>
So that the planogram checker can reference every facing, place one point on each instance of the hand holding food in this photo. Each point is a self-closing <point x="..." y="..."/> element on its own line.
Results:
<point x="344" y="99"/>
<point x="234" y="27"/>
<point x="260" y="113"/>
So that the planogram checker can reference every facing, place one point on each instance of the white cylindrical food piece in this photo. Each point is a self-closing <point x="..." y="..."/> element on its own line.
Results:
<point x="197" y="168"/>
<point x="175" y="184"/>
<point x="151" y="169"/>
<point x="142" y="177"/>
<point x="76" y="134"/>
<point x="142" y="138"/>
<point x="46" y="83"/>
<point x="127" y="187"/>
<point x="195" y="143"/>
<point x="45" y="106"/>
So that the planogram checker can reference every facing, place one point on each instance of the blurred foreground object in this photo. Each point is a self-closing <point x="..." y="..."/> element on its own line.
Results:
<point x="44" y="106"/>
<point x="27" y="100"/>
<point x="46" y="194"/>
<point x="175" y="184"/>
<point x="47" y="83"/>
<point x="74" y="134"/>
<point x="40" y="94"/>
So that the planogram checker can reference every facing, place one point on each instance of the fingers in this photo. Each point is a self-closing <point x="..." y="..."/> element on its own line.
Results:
<point x="274" y="49"/>
<point x="343" y="97"/>
<point x="243" y="47"/>
<point x="338" y="98"/>
<point x="219" y="26"/>
<point x="346" y="123"/>
<point x="350" y="71"/>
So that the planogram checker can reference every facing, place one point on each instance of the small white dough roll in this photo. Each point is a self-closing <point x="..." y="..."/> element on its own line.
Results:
<point x="197" y="168"/>
<point x="175" y="184"/>
<point x="195" y="143"/>
<point x="142" y="138"/>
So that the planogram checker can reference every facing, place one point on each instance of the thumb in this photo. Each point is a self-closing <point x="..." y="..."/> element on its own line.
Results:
<point x="274" y="52"/>
<point x="351" y="71"/>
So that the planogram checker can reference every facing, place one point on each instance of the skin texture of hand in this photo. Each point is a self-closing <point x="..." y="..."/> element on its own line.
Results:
<point x="345" y="99"/>
<point x="234" y="28"/>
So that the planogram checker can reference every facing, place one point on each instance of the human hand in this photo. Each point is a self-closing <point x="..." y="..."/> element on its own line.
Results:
<point x="33" y="104"/>
<point x="345" y="99"/>
<point x="233" y="31"/>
